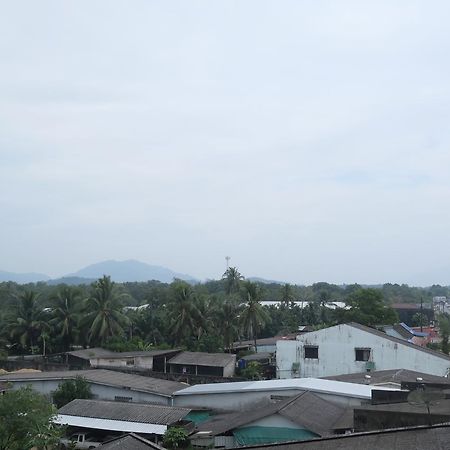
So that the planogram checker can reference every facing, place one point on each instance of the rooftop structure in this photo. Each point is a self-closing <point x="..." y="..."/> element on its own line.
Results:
<point x="130" y="441"/>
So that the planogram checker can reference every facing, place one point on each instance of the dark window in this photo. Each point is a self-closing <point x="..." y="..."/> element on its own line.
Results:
<point x="119" y="398"/>
<point x="362" y="354"/>
<point x="312" y="352"/>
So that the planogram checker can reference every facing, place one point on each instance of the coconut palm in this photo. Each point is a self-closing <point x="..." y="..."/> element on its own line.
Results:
<point x="227" y="319"/>
<point x="29" y="321"/>
<point x="105" y="316"/>
<point x="183" y="312"/>
<point x="232" y="279"/>
<point x="66" y="315"/>
<point x="253" y="316"/>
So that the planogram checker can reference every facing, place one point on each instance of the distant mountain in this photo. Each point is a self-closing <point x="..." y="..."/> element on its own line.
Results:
<point x="23" y="278"/>
<point x="70" y="281"/>
<point x="263" y="280"/>
<point x="130" y="270"/>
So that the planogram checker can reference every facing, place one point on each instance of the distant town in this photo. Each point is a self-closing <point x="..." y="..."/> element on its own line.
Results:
<point x="223" y="364"/>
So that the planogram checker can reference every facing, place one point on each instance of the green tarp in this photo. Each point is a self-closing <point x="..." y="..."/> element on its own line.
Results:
<point x="197" y="416"/>
<point x="266" y="435"/>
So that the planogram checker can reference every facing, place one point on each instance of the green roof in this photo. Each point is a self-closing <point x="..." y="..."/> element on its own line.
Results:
<point x="266" y="435"/>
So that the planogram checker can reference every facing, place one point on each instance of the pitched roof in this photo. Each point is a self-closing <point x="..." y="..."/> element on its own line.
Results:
<point x="203" y="359"/>
<point x="98" y="352"/>
<point x="130" y="442"/>
<point x="137" y="383"/>
<point x="396" y="340"/>
<point x="306" y="409"/>
<point x="389" y="376"/>
<point x="130" y="412"/>
<point x="417" y="438"/>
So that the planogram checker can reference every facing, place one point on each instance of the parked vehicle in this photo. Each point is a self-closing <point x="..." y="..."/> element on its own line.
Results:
<point x="80" y="440"/>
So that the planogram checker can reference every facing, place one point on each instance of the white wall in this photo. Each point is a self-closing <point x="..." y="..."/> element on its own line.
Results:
<point x="337" y="354"/>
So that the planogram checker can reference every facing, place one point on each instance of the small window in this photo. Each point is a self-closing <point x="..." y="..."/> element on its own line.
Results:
<point x="311" y="352"/>
<point x="119" y="398"/>
<point x="362" y="354"/>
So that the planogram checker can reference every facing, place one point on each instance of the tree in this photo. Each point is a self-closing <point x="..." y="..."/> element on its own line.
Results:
<point x="29" y="321"/>
<point x="66" y="314"/>
<point x="105" y="314"/>
<point x="227" y="322"/>
<point x="253" y="371"/>
<point x="444" y="331"/>
<point x="232" y="279"/>
<point x="70" y="390"/>
<point x="176" y="437"/>
<point x="26" y="421"/>
<point x="253" y="316"/>
<point x="286" y="294"/>
<point x="367" y="308"/>
<point x="183" y="312"/>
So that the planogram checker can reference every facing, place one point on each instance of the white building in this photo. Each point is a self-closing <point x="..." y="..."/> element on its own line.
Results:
<point x="352" y="348"/>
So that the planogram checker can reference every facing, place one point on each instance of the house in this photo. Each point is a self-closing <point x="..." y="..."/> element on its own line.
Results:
<point x="105" y="384"/>
<point x="155" y="360"/>
<point x="199" y="363"/>
<point x="415" y="438"/>
<point x="304" y="416"/>
<point x="351" y="348"/>
<point x="151" y="420"/>
<point x="410" y="334"/>
<point x="130" y="441"/>
<point x="245" y="395"/>
<point x="406" y="311"/>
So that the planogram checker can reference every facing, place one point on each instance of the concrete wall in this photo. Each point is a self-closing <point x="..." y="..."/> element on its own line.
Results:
<point x="337" y="354"/>
<point x="144" y="362"/>
<point x="100" y="392"/>
<point x="228" y="370"/>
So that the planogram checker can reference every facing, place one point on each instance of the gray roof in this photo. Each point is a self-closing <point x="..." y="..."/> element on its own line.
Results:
<point x="397" y="340"/>
<point x="98" y="352"/>
<point x="389" y="376"/>
<point x="417" y="438"/>
<point x="130" y="412"/>
<point x="130" y="442"/>
<point x="137" y="383"/>
<point x="306" y="409"/>
<point x="203" y="359"/>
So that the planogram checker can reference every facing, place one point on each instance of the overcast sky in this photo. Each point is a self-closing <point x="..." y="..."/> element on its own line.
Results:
<point x="308" y="140"/>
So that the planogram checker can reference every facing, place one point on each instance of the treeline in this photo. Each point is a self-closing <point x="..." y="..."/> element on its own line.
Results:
<point x="38" y="318"/>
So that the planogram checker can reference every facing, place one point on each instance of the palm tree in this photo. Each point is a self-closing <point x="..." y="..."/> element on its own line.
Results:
<point x="286" y="294"/>
<point x="66" y="315"/>
<point x="232" y="279"/>
<point x="29" y="321"/>
<point x="227" y="318"/>
<point x="184" y="314"/>
<point x="105" y="316"/>
<point x="253" y="316"/>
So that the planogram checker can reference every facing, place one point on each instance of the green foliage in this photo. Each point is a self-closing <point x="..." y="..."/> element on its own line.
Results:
<point x="444" y="331"/>
<point x="175" y="437"/>
<point x="419" y="319"/>
<point x="70" y="390"/>
<point x="253" y="371"/>
<point x="232" y="280"/>
<point x="26" y="421"/>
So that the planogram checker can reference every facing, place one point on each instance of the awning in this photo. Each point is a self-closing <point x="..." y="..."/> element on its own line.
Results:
<point x="110" y="425"/>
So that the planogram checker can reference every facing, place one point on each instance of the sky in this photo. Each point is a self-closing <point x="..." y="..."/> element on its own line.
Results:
<point x="307" y="140"/>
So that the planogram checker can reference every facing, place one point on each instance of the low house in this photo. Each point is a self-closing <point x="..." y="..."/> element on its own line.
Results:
<point x="410" y="334"/>
<point x="351" y="348"/>
<point x="301" y="417"/>
<point x="199" y="363"/>
<point x="130" y="441"/>
<point x="155" y="360"/>
<point x="244" y="395"/>
<point x="105" y="384"/>
<point x="150" y="420"/>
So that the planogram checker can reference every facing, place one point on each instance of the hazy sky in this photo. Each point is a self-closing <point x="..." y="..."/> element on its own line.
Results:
<point x="308" y="140"/>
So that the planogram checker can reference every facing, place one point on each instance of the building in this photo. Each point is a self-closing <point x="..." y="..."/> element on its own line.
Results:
<point x="105" y="384"/>
<point x="406" y="311"/>
<point x="199" y="363"/>
<point x="150" y="420"/>
<point x="130" y="441"/>
<point x="155" y="360"/>
<point x="301" y="417"/>
<point x="351" y="348"/>
<point x="244" y="395"/>
<point x="416" y="438"/>
<point x="410" y="334"/>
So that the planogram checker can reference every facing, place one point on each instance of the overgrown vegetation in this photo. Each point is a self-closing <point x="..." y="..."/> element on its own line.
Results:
<point x="69" y="390"/>
<point x="38" y="318"/>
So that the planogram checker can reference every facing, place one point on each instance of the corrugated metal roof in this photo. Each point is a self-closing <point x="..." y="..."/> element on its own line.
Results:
<point x="302" y="384"/>
<point x="98" y="352"/>
<point x="110" y="425"/>
<point x="131" y="412"/>
<point x="104" y="377"/>
<point x="130" y="442"/>
<point x="203" y="359"/>
<point x="418" y="438"/>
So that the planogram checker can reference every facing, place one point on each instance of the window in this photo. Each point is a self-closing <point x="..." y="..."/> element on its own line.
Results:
<point x="119" y="398"/>
<point x="311" y="352"/>
<point x="362" y="354"/>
